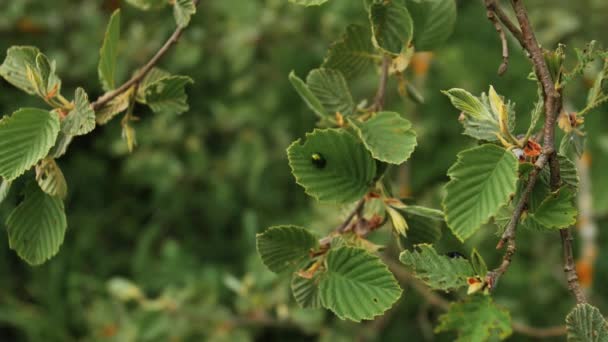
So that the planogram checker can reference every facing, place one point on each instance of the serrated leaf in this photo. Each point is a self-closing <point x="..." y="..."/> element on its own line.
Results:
<point x="424" y="224"/>
<point x="479" y="119"/>
<point x="36" y="228"/>
<point x="330" y="88"/>
<point x="557" y="210"/>
<point x="81" y="119"/>
<point x="353" y="54"/>
<point x="14" y="67"/>
<point x="306" y="291"/>
<point x="25" y="138"/>
<point x="51" y="179"/>
<point x="183" y="11"/>
<point x="117" y="105"/>
<point x="439" y="272"/>
<point x="389" y="137"/>
<point x="47" y="81"/>
<point x="482" y="181"/>
<point x="392" y="26"/>
<point x="357" y="285"/>
<point x="154" y="75"/>
<point x="585" y="323"/>
<point x="308" y="2"/>
<point x="347" y="172"/>
<point x="109" y="53"/>
<point x="476" y="319"/>
<point x="434" y="22"/>
<point x="568" y="172"/>
<point x="309" y="98"/>
<point x="283" y="248"/>
<point x="5" y="188"/>
<point x="168" y="95"/>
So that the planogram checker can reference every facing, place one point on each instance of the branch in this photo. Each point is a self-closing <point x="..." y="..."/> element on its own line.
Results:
<point x="501" y="33"/>
<point x="492" y="6"/>
<point x="381" y="93"/>
<point x="107" y="97"/>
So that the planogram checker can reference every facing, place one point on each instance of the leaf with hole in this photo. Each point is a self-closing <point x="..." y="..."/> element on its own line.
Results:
<point x="50" y="178"/>
<point x="349" y="168"/>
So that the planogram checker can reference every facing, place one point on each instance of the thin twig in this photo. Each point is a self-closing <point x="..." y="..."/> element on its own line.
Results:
<point x="503" y="38"/>
<point x="107" y="97"/>
<point x="495" y="8"/>
<point x="356" y="212"/>
<point x="381" y="93"/>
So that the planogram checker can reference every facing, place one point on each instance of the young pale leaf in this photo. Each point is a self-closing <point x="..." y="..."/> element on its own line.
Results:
<point x="483" y="179"/>
<point x="117" y="105"/>
<point x="311" y="100"/>
<point x="183" y="11"/>
<point x="357" y="285"/>
<point x="47" y="81"/>
<point x="353" y="54"/>
<point x="306" y="291"/>
<point x="399" y="222"/>
<point x="168" y="95"/>
<point x="330" y="87"/>
<point x="424" y="224"/>
<point x="557" y="210"/>
<point x="283" y="248"/>
<point x="25" y="138"/>
<point x="439" y="272"/>
<point x="481" y="120"/>
<point x="476" y="319"/>
<point x="479" y="265"/>
<point x="392" y="26"/>
<point x="36" y="228"/>
<point x="308" y="2"/>
<point x="389" y="137"/>
<point x="434" y="21"/>
<point x="153" y="76"/>
<point x="51" y="179"/>
<point x="343" y="172"/>
<point x="5" y="188"/>
<point x="585" y="323"/>
<point x="81" y="119"/>
<point x="109" y="53"/>
<point x="148" y="4"/>
<point x="14" y="68"/>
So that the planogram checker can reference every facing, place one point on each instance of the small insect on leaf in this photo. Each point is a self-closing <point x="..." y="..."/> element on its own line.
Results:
<point x="318" y="160"/>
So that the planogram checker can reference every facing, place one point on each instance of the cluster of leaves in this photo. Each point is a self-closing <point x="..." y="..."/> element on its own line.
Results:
<point x="36" y="138"/>
<point x="346" y="162"/>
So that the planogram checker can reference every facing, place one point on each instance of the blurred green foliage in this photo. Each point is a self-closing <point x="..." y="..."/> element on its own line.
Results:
<point x="161" y="242"/>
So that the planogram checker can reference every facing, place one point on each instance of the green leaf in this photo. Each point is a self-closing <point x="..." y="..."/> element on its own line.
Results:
<point x="482" y="181"/>
<point x="109" y="53"/>
<point x="357" y="285"/>
<point x="51" y="179"/>
<point x="309" y="98"/>
<point x="168" y="95"/>
<point x="568" y="172"/>
<point x="585" y="323"/>
<point x="392" y="26"/>
<point x="476" y="319"/>
<point x="81" y="119"/>
<point x="353" y="54"/>
<point x="14" y="67"/>
<point x="389" y="137"/>
<point x="479" y="118"/>
<point x="43" y="76"/>
<point x="424" y="224"/>
<point x="399" y="222"/>
<point x="183" y="11"/>
<point x="557" y="210"/>
<point x="306" y="291"/>
<point x="330" y="87"/>
<point x="434" y="22"/>
<point x="36" y="228"/>
<point x="25" y="138"/>
<point x="347" y="170"/>
<point x="308" y="2"/>
<point x="439" y="272"/>
<point x="283" y="248"/>
<point x="154" y="75"/>
<point x="117" y="105"/>
<point x="5" y="188"/>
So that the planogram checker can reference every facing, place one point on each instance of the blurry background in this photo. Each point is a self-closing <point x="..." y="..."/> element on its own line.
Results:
<point x="173" y="224"/>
